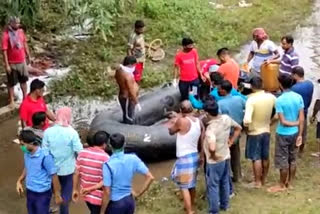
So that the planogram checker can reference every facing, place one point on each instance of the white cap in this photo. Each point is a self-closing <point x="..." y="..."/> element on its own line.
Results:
<point x="214" y="68"/>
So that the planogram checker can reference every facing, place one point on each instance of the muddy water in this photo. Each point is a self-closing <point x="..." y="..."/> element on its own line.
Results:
<point x="307" y="45"/>
<point x="11" y="163"/>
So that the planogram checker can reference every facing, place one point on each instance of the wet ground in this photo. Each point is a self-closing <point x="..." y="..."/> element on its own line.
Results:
<point x="11" y="160"/>
<point x="307" y="45"/>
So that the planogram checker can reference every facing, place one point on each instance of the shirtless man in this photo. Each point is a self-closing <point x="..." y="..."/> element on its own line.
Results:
<point x="189" y="132"/>
<point x="128" y="89"/>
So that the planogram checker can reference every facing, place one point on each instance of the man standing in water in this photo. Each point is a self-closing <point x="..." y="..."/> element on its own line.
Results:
<point x="136" y="48"/>
<point x="189" y="132"/>
<point x="15" y="53"/>
<point x="290" y="109"/>
<point x="128" y="89"/>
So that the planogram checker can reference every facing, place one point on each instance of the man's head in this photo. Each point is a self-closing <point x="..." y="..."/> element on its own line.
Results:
<point x="287" y="42"/>
<point x="285" y="81"/>
<point x="129" y="61"/>
<point x="225" y="88"/>
<point x="14" y="22"/>
<point x="37" y="88"/>
<point x="38" y="119"/>
<point x="211" y="107"/>
<point x="117" y="142"/>
<point x="29" y="140"/>
<point x="139" y="27"/>
<point x="297" y="73"/>
<point x="187" y="44"/>
<point x="186" y="107"/>
<point x="256" y="83"/>
<point x="259" y="35"/>
<point x="216" y="79"/>
<point x="223" y="55"/>
<point x="100" y="139"/>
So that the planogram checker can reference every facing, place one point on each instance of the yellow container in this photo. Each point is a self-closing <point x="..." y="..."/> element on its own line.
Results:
<point x="269" y="76"/>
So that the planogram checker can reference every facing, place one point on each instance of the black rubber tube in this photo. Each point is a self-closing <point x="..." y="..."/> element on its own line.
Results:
<point x="149" y="139"/>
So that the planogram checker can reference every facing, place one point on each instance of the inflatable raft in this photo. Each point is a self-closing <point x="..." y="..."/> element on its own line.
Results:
<point x="149" y="138"/>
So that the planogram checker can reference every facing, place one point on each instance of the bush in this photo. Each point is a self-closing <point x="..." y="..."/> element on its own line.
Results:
<point x="27" y="10"/>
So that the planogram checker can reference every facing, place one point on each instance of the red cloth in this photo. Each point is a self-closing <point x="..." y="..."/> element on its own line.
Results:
<point x="206" y="64"/>
<point x="260" y="34"/>
<point x="187" y="64"/>
<point x="63" y="116"/>
<point x="15" y="55"/>
<point x="230" y="71"/>
<point x="29" y="107"/>
<point x="89" y="164"/>
<point x="138" y="71"/>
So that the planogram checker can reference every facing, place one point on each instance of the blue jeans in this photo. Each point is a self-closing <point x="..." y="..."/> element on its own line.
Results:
<point x="218" y="186"/>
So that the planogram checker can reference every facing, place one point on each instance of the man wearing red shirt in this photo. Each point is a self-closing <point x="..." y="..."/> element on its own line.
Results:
<point x="33" y="103"/>
<point x="187" y="65"/>
<point x="15" y="50"/>
<point x="229" y="69"/>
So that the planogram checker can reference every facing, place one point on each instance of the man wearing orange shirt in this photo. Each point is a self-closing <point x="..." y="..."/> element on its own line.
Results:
<point x="229" y="68"/>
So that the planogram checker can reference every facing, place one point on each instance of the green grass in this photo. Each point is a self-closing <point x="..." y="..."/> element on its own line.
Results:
<point x="170" y="21"/>
<point x="303" y="199"/>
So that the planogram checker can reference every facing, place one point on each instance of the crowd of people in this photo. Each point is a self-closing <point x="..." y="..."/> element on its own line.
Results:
<point x="56" y="163"/>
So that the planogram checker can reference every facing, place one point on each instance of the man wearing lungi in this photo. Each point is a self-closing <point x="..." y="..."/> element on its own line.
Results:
<point x="189" y="131"/>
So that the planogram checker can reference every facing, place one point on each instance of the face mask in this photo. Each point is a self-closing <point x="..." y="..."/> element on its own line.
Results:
<point x="24" y="149"/>
<point x="128" y="69"/>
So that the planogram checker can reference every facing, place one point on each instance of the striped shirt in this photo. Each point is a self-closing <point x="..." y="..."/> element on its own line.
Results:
<point x="89" y="164"/>
<point x="290" y="59"/>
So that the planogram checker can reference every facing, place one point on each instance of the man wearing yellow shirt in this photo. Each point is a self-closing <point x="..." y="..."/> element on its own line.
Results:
<point x="257" y="120"/>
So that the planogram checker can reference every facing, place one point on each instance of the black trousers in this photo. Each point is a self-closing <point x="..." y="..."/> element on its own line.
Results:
<point x="186" y="86"/>
<point x="128" y="108"/>
<point x="94" y="209"/>
<point x="235" y="161"/>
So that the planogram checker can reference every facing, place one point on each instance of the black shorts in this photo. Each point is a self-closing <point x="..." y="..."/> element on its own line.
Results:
<point x="19" y="73"/>
<point x="286" y="151"/>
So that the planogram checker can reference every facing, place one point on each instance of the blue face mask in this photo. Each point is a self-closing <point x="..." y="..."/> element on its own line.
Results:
<point x="24" y="149"/>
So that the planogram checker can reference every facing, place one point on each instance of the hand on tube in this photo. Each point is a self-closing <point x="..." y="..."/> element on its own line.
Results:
<point x="138" y="106"/>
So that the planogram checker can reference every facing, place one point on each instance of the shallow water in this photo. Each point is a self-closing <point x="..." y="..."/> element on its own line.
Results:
<point x="307" y="45"/>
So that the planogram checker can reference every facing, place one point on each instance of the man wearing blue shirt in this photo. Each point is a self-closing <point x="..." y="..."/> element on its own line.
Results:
<point x="64" y="143"/>
<point x="39" y="173"/>
<point x="290" y="110"/>
<point x="305" y="89"/>
<point x="216" y="80"/>
<point x="232" y="106"/>
<point x="118" y="196"/>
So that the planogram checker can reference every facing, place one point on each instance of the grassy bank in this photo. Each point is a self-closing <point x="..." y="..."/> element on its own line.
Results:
<point x="303" y="199"/>
<point x="170" y="21"/>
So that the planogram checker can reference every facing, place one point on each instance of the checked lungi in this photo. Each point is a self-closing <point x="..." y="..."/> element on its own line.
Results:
<point x="184" y="172"/>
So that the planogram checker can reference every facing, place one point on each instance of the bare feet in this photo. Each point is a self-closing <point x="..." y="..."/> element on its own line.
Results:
<point x="316" y="154"/>
<point x="11" y="105"/>
<point x="276" y="189"/>
<point x="253" y="185"/>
